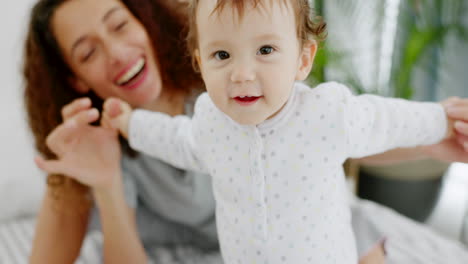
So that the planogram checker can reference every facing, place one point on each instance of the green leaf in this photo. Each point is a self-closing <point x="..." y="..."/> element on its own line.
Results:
<point x="418" y="42"/>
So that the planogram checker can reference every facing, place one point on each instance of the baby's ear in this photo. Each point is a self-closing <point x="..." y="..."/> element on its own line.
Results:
<point x="306" y="60"/>
<point x="78" y="85"/>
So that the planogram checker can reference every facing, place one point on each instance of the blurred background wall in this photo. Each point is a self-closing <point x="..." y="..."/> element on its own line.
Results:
<point x="21" y="183"/>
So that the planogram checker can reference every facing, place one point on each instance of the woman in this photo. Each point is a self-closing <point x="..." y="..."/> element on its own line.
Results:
<point x="110" y="51"/>
<point x="134" y="50"/>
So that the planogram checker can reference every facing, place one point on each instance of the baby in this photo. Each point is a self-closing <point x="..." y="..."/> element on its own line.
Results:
<point x="273" y="146"/>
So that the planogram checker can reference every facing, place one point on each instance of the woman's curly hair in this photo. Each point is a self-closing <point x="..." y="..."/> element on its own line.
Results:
<point x="47" y="86"/>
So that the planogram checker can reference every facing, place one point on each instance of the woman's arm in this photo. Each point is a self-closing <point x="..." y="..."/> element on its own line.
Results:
<point x="121" y="240"/>
<point x="95" y="162"/>
<point x="91" y="155"/>
<point x="394" y="156"/>
<point x="59" y="233"/>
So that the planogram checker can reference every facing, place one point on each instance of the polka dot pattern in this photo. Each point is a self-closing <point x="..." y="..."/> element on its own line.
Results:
<point x="279" y="186"/>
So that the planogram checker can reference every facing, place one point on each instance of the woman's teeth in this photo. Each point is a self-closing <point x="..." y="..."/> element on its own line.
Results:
<point x="132" y="72"/>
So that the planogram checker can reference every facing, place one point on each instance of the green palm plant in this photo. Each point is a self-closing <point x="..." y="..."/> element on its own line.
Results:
<point x="422" y="28"/>
<point x="425" y="28"/>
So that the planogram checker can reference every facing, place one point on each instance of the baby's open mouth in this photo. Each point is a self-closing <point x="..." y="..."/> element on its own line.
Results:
<point x="247" y="100"/>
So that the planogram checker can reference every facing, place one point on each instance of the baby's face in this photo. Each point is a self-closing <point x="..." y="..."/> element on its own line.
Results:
<point x="249" y="64"/>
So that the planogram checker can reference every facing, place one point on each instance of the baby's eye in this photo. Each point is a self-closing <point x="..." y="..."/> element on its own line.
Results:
<point x="221" y="55"/>
<point x="265" y="50"/>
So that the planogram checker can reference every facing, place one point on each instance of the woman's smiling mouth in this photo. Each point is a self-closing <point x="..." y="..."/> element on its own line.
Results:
<point x="134" y="76"/>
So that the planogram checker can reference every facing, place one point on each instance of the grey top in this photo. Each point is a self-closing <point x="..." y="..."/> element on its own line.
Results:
<point x="173" y="206"/>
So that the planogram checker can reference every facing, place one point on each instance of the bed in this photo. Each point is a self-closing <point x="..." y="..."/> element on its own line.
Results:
<point x="406" y="241"/>
<point x="16" y="239"/>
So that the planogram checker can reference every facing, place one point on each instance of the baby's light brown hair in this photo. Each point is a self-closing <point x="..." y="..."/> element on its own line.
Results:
<point x="309" y="27"/>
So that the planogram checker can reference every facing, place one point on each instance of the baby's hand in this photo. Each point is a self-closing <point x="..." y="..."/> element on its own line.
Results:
<point x="116" y="114"/>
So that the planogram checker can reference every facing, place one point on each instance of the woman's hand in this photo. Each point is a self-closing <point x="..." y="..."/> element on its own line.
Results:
<point x="455" y="147"/>
<point x="88" y="154"/>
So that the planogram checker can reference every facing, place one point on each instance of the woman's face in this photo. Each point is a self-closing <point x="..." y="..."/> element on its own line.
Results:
<point x="108" y="50"/>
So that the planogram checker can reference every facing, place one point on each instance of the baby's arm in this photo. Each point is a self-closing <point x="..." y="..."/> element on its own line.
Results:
<point x="453" y="149"/>
<point x="167" y="138"/>
<point x="374" y="124"/>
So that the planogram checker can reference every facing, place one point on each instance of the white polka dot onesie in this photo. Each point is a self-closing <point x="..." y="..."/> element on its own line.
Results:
<point x="279" y="186"/>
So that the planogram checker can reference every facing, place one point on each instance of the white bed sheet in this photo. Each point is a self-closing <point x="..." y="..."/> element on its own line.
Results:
<point x="407" y="242"/>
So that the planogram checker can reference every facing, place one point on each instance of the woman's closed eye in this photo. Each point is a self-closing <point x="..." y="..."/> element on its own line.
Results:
<point x="87" y="55"/>
<point x="121" y="26"/>
<point x="265" y="50"/>
<point x="221" y="55"/>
